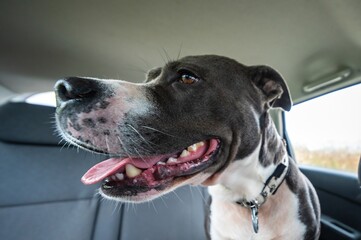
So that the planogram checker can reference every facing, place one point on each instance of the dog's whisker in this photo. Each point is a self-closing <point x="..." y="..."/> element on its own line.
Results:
<point x="155" y="209"/>
<point x="161" y="55"/>
<point x="136" y="69"/>
<point x="175" y="193"/>
<point x="107" y="144"/>
<point x="96" y="194"/>
<point x="156" y="130"/>
<point x="117" y="207"/>
<point x="128" y="206"/>
<point x="68" y="145"/>
<point x="63" y="145"/>
<point x="166" y="55"/>
<point x="60" y="141"/>
<point x="134" y="208"/>
<point x="180" y="51"/>
<point x="122" y="145"/>
<point x="202" y="195"/>
<point x="139" y="156"/>
<point x="164" y="202"/>
<point x="140" y="135"/>
<point x="138" y="145"/>
<point x="146" y="64"/>
<point x="191" y="191"/>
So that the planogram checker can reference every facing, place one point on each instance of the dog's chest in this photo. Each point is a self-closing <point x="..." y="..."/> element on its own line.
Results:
<point x="278" y="218"/>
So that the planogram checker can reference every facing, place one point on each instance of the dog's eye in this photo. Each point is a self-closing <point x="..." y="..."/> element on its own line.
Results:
<point x="188" y="78"/>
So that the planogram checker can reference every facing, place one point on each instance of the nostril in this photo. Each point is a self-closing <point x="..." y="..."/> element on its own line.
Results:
<point x="62" y="92"/>
<point x="75" y="88"/>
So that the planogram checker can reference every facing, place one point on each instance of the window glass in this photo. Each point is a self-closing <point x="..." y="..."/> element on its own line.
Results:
<point x="326" y="131"/>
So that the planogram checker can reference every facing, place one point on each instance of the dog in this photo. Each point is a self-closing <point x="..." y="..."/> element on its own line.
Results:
<point x="199" y="120"/>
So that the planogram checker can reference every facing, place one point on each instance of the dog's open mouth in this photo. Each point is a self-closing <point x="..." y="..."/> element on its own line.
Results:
<point x="130" y="176"/>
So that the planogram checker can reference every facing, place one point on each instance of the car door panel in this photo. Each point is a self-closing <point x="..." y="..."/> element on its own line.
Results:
<point x="340" y="199"/>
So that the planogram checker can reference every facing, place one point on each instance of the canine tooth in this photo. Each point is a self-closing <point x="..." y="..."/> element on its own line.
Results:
<point x="185" y="153"/>
<point x="120" y="176"/>
<point x="172" y="160"/>
<point x="132" y="171"/>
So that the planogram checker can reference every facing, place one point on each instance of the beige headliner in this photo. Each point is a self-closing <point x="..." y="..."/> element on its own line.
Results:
<point x="43" y="41"/>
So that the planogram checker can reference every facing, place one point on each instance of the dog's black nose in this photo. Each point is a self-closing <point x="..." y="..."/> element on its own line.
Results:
<point x="75" y="88"/>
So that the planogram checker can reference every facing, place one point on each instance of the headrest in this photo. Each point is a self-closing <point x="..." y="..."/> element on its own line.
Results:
<point x="21" y="122"/>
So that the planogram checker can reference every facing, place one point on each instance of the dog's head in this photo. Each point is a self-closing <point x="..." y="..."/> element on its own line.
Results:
<point x="187" y="122"/>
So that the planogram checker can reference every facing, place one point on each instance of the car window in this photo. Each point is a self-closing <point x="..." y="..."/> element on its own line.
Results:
<point x="326" y="131"/>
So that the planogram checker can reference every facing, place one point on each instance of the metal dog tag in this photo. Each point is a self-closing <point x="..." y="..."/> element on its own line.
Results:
<point x="254" y="213"/>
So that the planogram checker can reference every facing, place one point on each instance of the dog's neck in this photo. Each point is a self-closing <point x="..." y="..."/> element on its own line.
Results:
<point x="245" y="178"/>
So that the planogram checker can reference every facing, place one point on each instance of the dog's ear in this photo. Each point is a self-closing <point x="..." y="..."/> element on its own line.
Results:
<point x="272" y="85"/>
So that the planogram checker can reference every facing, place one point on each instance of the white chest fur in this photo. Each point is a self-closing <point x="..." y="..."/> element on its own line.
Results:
<point x="244" y="179"/>
<point x="278" y="217"/>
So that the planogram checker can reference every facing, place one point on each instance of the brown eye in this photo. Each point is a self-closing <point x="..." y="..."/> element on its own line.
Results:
<point x="188" y="79"/>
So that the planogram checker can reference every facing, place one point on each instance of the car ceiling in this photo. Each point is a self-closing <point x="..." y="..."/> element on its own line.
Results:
<point x="42" y="41"/>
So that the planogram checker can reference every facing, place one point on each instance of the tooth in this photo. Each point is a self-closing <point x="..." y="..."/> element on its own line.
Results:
<point x="120" y="176"/>
<point x="160" y="163"/>
<point x="185" y="153"/>
<point x="113" y="177"/>
<point x="172" y="160"/>
<point x="200" y="144"/>
<point x="193" y="148"/>
<point x="132" y="171"/>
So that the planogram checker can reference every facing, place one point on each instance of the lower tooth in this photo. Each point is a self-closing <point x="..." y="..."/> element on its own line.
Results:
<point x="160" y="163"/>
<point x="132" y="171"/>
<point x="172" y="160"/>
<point x="120" y="176"/>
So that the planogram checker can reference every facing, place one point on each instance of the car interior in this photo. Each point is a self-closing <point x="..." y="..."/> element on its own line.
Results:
<point x="315" y="45"/>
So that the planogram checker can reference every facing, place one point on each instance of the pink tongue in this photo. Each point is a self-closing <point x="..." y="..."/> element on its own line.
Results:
<point x="113" y="165"/>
